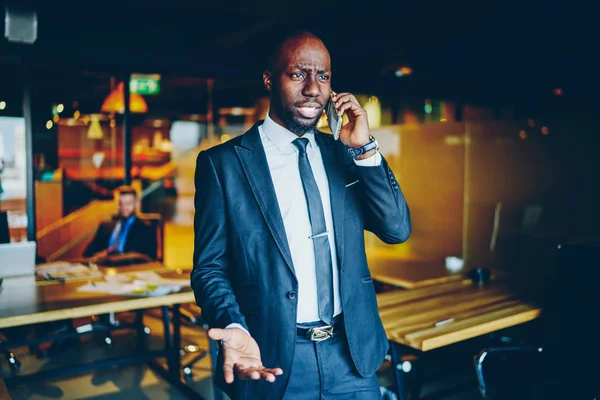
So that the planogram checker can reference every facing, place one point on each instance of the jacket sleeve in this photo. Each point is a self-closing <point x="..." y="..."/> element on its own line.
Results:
<point x="149" y="244"/>
<point x="210" y="276"/>
<point x="386" y="213"/>
<point x="94" y="246"/>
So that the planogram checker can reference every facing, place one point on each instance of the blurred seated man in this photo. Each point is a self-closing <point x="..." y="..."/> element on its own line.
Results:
<point x="124" y="233"/>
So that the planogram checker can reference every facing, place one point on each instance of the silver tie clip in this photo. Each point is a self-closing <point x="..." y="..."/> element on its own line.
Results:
<point x="319" y="235"/>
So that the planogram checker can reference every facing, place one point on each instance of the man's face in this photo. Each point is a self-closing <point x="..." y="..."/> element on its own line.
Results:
<point x="299" y="84"/>
<point x="126" y="205"/>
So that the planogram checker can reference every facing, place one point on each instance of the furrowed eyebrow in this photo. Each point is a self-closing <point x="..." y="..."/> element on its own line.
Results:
<point x="306" y="68"/>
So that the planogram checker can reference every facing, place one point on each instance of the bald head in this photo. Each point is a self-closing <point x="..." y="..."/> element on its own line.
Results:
<point x="298" y="78"/>
<point x="290" y="45"/>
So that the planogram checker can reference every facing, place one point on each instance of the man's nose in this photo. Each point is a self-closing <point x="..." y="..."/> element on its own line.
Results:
<point x="311" y="88"/>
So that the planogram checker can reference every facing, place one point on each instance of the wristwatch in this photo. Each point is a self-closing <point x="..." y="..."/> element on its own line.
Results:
<point x="356" y="152"/>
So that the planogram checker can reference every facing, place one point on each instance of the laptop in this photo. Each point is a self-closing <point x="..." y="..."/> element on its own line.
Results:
<point x="17" y="258"/>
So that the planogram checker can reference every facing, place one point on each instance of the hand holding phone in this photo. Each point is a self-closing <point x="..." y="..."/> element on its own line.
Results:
<point x="355" y="133"/>
<point x="333" y="118"/>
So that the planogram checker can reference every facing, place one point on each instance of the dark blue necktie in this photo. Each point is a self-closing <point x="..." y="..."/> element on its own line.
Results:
<point x="319" y="234"/>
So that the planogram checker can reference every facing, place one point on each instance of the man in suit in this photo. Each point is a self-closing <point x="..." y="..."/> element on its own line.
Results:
<point x="280" y="269"/>
<point x="125" y="233"/>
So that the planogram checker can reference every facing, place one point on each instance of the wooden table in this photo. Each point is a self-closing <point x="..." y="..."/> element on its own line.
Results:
<point x="27" y="300"/>
<point x="30" y="300"/>
<point x="410" y="273"/>
<point x="411" y="317"/>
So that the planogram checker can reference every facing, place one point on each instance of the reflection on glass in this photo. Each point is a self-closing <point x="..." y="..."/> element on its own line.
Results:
<point x="12" y="158"/>
<point x="13" y="176"/>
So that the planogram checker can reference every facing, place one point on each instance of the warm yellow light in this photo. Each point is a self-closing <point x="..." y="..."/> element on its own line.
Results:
<point x="115" y="102"/>
<point x="373" y="109"/>
<point x="523" y="135"/>
<point x="237" y="111"/>
<point x="56" y="118"/>
<point x="95" y="130"/>
<point x="225" y="137"/>
<point x="443" y="120"/>
<point x="113" y="123"/>
<point x="2" y="105"/>
<point x="60" y="108"/>
<point x="322" y="123"/>
<point x="49" y="124"/>
<point x="403" y="71"/>
<point x="76" y="114"/>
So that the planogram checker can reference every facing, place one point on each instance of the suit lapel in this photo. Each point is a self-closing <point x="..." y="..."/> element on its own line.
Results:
<point x="254" y="161"/>
<point x="337" y="192"/>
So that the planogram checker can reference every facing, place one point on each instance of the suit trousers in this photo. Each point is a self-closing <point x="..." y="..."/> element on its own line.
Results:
<point x="324" y="370"/>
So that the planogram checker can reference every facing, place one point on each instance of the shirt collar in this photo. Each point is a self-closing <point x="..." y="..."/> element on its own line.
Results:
<point x="126" y="220"/>
<point x="282" y="138"/>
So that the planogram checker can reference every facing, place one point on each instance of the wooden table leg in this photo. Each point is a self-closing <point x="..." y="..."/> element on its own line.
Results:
<point x="176" y="354"/>
<point x="396" y="352"/>
<point x="141" y="337"/>
<point x="168" y="341"/>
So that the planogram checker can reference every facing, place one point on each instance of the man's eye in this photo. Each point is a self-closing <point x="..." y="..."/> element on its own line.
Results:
<point x="297" y="76"/>
<point x="324" y="77"/>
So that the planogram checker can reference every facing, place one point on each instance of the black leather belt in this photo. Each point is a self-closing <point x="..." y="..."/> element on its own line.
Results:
<point x="319" y="333"/>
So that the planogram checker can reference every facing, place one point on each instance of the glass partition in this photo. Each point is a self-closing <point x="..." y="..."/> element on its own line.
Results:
<point x="13" y="169"/>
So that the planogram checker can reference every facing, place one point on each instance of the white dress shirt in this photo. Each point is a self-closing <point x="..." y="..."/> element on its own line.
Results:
<point x="282" y="157"/>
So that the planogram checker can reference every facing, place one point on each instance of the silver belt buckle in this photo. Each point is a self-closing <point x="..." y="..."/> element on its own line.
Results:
<point x="321" y="333"/>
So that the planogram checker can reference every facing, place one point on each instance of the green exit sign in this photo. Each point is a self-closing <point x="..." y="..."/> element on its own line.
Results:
<point x="145" y="84"/>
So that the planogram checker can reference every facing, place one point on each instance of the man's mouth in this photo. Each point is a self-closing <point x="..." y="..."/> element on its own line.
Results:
<point x="309" y="110"/>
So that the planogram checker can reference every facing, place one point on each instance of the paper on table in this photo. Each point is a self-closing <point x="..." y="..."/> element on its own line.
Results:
<point x="147" y="283"/>
<point x="67" y="270"/>
<point x="149" y="277"/>
<point x="132" y="289"/>
<point x="153" y="277"/>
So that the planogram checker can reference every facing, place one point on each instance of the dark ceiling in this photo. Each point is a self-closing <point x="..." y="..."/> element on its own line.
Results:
<point x="473" y="51"/>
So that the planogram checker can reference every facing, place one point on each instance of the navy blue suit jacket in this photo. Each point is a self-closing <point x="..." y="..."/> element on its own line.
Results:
<point x="140" y="238"/>
<point x="243" y="271"/>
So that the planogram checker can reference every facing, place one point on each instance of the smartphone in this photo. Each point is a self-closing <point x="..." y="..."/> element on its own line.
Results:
<point x="333" y="118"/>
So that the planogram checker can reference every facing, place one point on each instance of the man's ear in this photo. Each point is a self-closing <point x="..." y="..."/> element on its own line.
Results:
<point x="267" y="80"/>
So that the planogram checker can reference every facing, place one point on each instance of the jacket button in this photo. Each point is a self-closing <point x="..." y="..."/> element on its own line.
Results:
<point x="291" y="295"/>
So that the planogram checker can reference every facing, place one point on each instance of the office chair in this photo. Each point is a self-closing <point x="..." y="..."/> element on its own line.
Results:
<point x="11" y="358"/>
<point x="192" y="314"/>
<point x="109" y="322"/>
<point x="509" y="372"/>
<point x="565" y="365"/>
